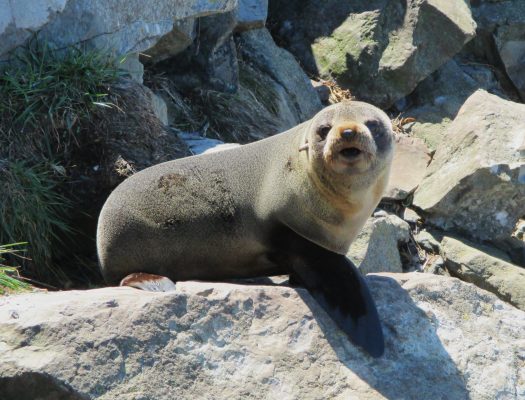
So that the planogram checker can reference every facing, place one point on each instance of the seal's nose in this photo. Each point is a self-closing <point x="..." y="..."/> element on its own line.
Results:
<point x="347" y="133"/>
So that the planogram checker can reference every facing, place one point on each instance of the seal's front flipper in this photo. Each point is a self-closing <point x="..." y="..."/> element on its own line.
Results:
<point x="339" y="288"/>
<point x="149" y="282"/>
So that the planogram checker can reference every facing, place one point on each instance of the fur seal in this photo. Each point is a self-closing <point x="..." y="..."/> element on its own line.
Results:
<point x="288" y="204"/>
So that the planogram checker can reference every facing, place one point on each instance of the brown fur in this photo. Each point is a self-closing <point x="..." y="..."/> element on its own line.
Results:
<point x="210" y="216"/>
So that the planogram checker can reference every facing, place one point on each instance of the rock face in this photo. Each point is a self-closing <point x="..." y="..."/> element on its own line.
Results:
<point x="487" y="271"/>
<point x="122" y="26"/>
<point x="380" y="50"/>
<point x="510" y="41"/>
<point x="502" y="22"/>
<point x="223" y="341"/>
<point x="411" y="158"/>
<point x="296" y="98"/>
<point x="474" y="184"/>
<point x="250" y="65"/>
<point x="439" y="97"/>
<point x="376" y="247"/>
<point x="251" y="14"/>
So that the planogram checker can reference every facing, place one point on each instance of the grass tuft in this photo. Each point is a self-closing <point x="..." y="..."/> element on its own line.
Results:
<point x="44" y="99"/>
<point x="9" y="282"/>
<point x="31" y="207"/>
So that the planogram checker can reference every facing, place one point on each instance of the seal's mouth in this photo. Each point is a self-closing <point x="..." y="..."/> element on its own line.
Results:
<point x="351" y="153"/>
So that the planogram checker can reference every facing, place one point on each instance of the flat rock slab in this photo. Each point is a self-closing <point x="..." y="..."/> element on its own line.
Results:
<point x="444" y="339"/>
<point x="487" y="271"/>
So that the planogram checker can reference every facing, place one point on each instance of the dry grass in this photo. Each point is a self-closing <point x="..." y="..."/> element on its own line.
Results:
<point x="399" y="122"/>
<point x="337" y="93"/>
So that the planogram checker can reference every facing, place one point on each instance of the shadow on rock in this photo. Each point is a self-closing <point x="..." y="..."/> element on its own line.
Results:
<point x="415" y="364"/>
<point x="34" y="385"/>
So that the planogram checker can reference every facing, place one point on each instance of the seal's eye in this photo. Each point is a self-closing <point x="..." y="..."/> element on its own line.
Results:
<point x="373" y="126"/>
<point x="323" y="130"/>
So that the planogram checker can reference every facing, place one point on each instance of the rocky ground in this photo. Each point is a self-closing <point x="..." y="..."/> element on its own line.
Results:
<point x="450" y="74"/>
<point x="445" y="339"/>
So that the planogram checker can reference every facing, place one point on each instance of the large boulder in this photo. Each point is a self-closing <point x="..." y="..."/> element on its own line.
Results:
<point x="475" y="183"/>
<point x="120" y="26"/>
<point x="225" y="341"/>
<point x="485" y="270"/>
<point x="380" y="50"/>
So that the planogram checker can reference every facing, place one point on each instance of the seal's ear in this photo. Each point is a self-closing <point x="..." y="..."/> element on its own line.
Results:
<point x="304" y="146"/>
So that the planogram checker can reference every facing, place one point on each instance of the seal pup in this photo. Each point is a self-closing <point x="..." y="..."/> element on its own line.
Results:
<point x="288" y="204"/>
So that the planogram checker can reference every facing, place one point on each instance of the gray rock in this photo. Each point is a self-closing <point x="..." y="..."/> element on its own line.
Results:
<point x="258" y="48"/>
<point x="411" y="216"/>
<point x="510" y="41"/>
<point x="439" y="97"/>
<point x="199" y="144"/>
<point x="120" y="26"/>
<point x="490" y="14"/>
<point x="485" y="270"/>
<point x="224" y="341"/>
<point x="500" y="37"/>
<point x="159" y="108"/>
<point x="473" y="184"/>
<point x="376" y="247"/>
<point x="172" y="43"/>
<point x="135" y="137"/>
<point x="210" y="62"/>
<point x="430" y="124"/>
<point x="323" y="91"/>
<point x="435" y="264"/>
<point x="411" y="158"/>
<point x="427" y="241"/>
<point x="251" y="14"/>
<point x="380" y="50"/>
<point x="132" y="65"/>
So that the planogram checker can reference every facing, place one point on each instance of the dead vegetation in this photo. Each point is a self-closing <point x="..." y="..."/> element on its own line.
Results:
<point x="399" y="122"/>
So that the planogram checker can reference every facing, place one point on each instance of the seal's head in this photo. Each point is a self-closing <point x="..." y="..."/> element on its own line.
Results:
<point x="349" y="142"/>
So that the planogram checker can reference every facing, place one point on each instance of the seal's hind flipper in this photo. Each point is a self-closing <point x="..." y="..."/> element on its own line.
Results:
<point x="149" y="282"/>
<point x="337" y="285"/>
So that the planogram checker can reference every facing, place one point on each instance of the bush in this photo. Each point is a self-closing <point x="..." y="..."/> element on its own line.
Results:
<point x="47" y="100"/>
